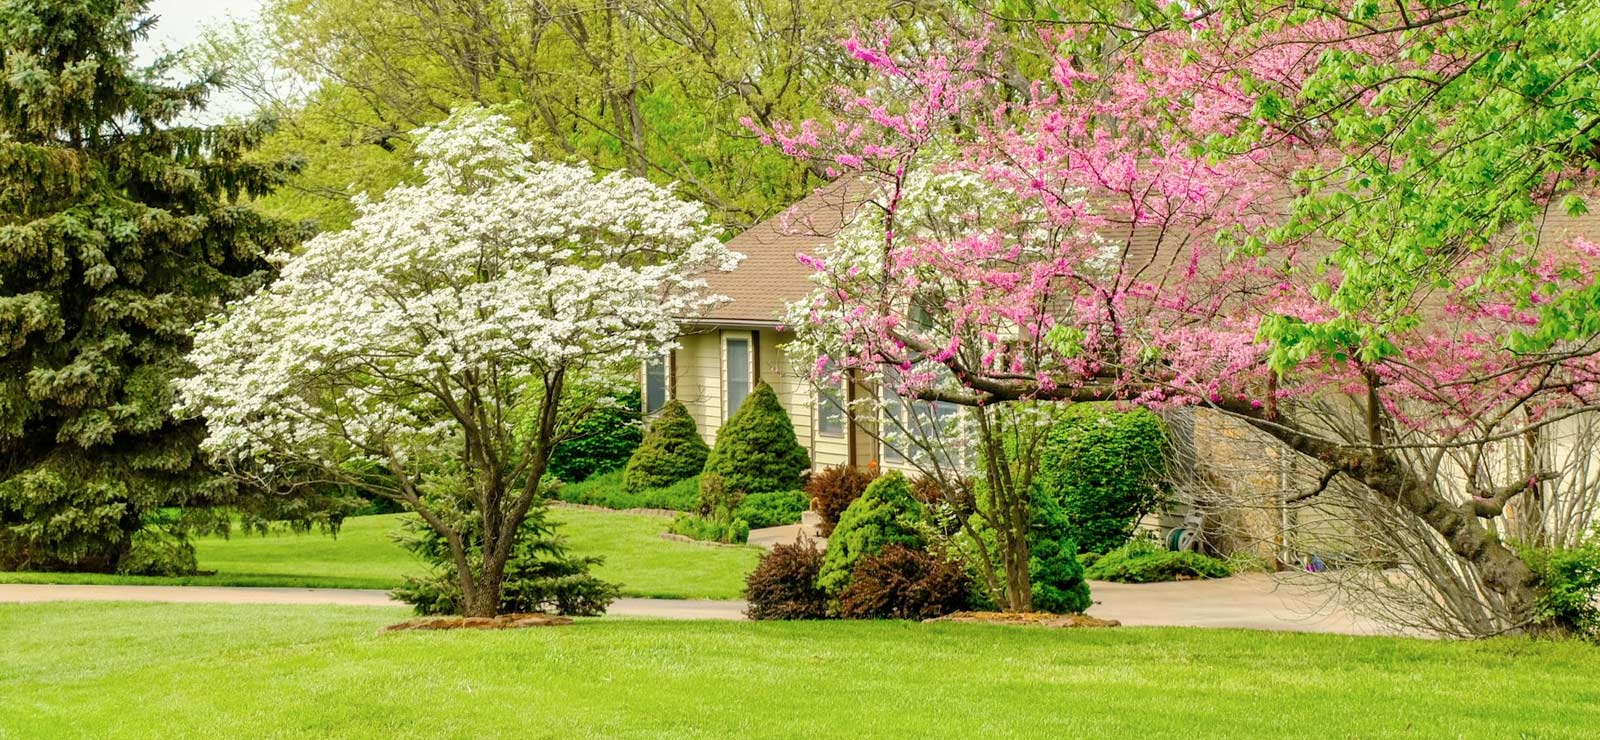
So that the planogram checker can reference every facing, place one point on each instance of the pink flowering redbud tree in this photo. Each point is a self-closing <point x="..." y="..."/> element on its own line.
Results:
<point x="436" y="351"/>
<point x="1012" y="255"/>
<point x="1281" y="216"/>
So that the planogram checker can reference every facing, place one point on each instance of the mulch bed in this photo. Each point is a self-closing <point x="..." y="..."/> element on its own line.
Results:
<point x="1037" y="619"/>
<point x="693" y="541"/>
<point x="502" y="622"/>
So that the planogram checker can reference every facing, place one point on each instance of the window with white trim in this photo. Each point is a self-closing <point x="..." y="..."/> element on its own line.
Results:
<point x="831" y="416"/>
<point x="655" y="384"/>
<point x="737" y="371"/>
<point x="913" y="430"/>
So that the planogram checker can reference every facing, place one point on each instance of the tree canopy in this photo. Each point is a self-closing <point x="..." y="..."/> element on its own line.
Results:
<point x="120" y="227"/>
<point x="455" y="334"/>
<point x="1266" y="209"/>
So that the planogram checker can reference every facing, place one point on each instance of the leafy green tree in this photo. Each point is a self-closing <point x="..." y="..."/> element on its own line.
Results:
<point x="601" y="442"/>
<point x="672" y="451"/>
<point x="756" y="450"/>
<point x="120" y="228"/>
<point x="886" y="514"/>
<point x="1105" y="469"/>
<point x="656" y="88"/>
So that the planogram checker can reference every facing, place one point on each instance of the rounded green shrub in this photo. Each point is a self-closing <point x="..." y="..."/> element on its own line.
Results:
<point x="1568" y="589"/>
<point x="1143" y="561"/>
<point x="756" y="450"/>
<point x="773" y="509"/>
<point x="603" y="441"/>
<point x="886" y="514"/>
<point x="1106" y="469"/>
<point x="672" y="451"/>
<point x="541" y="575"/>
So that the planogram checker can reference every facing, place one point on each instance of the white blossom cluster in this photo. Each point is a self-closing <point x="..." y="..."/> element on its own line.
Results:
<point x="492" y="272"/>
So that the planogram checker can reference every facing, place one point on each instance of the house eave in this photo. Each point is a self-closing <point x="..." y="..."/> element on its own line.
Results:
<point x="708" y="323"/>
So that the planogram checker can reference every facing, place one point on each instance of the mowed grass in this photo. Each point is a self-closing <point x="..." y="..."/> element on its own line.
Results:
<point x="175" y="671"/>
<point x="364" y="556"/>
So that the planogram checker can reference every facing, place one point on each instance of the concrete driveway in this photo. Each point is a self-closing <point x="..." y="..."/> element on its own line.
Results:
<point x="1252" y="601"/>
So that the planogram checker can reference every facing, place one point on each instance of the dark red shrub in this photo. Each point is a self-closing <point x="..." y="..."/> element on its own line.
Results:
<point x="784" y="584"/>
<point x="833" y="490"/>
<point x="903" y="583"/>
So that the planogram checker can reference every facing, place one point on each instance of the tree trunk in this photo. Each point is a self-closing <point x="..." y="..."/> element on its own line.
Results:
<point x="1501" y="569"/>
<point x="1019" y="582"/>
<point x="483" y="601"/>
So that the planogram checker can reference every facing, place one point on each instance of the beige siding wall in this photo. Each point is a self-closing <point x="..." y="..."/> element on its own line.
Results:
<point x="700" y="376"/>
<point x="699" y="370"/>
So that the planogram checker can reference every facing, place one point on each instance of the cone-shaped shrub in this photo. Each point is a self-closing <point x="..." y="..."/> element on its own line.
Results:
<point x="756" y="450"/>
<point x="1053" y="565"/>
<point x="672" y="451"/>
<point x="885" y="515"/>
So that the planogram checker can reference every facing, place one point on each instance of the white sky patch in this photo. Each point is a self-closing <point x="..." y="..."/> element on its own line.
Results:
<point x="181" y="24"/>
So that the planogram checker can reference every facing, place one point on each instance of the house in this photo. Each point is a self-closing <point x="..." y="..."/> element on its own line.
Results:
<point x="1239" y="483"/>
<point x="726" y="352"/>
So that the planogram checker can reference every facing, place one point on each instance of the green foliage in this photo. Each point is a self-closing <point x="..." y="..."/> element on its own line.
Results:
<point x="729" y="532"/>
<point x="1143" y="561"/>
<point x="122" y="228"/>
<point x="158" y="552"/>
<point x="601" y="442"/>
<point x="773" y="509"/>
<point x="905" y="583"/>
<point x="1105" y="469"/>
<point x="1053" y="566"/>
<point x="784" y="584"/>
<point x="1568" y="588"/>
<point x="834" y="489"/>
<point x="385" y="67"/>
<point x="607" y="490"/>
<point x="756" y="450"/>
<point x="540" y="575"/>
<point x="885" y="515"/>
<point x="671" y="451"/>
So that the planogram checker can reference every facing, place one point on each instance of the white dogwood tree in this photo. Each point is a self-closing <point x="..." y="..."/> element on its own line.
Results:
<point x="437" y="350"/>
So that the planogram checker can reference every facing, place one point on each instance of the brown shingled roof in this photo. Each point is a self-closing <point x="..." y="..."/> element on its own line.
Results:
<point x="770" y="275"/>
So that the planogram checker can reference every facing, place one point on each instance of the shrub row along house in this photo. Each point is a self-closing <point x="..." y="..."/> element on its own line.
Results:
<point x="1238" y="490"/>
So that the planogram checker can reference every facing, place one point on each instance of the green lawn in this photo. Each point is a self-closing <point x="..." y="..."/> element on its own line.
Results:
<point x="139" y="670"/>
<point x="363" y="556"/>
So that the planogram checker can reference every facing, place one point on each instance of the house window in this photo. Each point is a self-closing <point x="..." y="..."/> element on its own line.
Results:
<point x="923" y="432"/>
<point x="830" y="407"/>
<point x="655" y="384"/>
<point x="737" y="371"/>
<point x="895" y="441"/>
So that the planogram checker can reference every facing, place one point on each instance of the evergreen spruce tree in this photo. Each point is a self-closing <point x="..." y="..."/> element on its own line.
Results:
<point x="120" y="228"/>
<point x="756" y="451"/>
